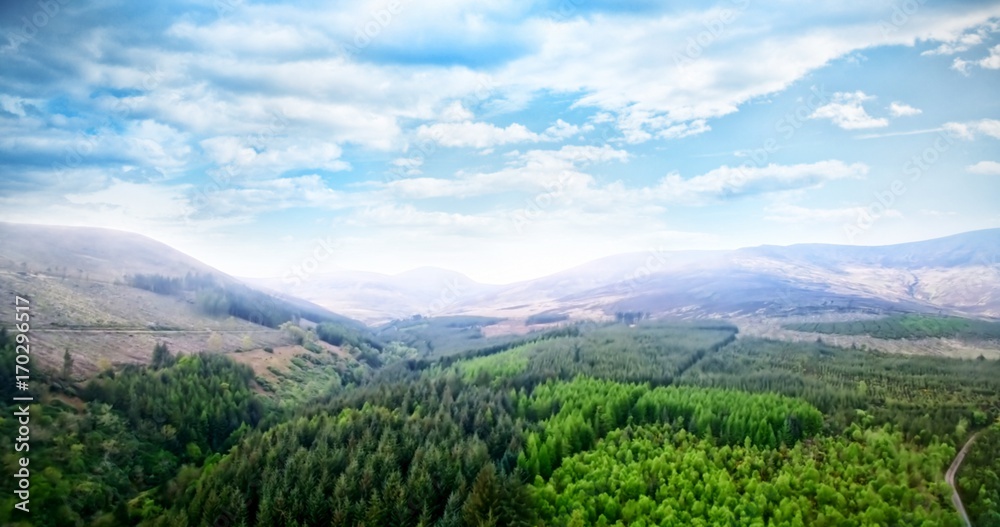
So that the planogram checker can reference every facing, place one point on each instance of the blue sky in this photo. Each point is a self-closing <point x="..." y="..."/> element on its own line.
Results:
<point x="505" y="140"/>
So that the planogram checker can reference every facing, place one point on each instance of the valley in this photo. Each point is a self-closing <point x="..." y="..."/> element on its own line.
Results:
<point x="184" y="396"/>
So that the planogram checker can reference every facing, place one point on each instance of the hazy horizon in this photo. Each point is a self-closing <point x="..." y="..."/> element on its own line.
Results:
<point x="324" y="268"/>
<point x="505" y="142"/>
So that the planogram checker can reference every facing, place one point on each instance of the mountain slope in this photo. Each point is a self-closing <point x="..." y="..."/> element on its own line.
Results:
<point x="100" y="254"/>
<point x="75" y="278"/>
<point x="957" y="274"/>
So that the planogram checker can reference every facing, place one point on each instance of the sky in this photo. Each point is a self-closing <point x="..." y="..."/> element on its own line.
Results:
<point x="504" y="140"/>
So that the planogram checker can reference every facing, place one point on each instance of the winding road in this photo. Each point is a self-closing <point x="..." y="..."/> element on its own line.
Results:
<point x="950" y="478"/>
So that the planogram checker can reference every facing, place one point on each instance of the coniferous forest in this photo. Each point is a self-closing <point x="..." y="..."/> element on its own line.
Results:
<point x="641" y="424"/>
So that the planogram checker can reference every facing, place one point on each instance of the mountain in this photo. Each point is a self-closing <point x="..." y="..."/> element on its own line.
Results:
<point x="100" y="254"/>
<point x="956" y="274"/>
<point x="76" y="279"/>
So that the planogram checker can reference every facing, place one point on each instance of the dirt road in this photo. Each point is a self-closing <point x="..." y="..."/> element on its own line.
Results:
<point x="950" y="478"/>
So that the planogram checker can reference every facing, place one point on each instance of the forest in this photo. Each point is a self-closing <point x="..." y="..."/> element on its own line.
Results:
<point x="646" y="423"/>
<point x="979" y="478"/>
<point x="908" y="326"/>
<point x="218" y="299"/>
<point x="440" y="335"/>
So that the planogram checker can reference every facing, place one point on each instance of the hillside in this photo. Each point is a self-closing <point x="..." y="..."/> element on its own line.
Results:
<point x="91" y="253"/>
<point x="78" y="282"/>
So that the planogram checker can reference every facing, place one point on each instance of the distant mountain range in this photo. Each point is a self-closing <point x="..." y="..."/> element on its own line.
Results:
<point x="957" y="274"/>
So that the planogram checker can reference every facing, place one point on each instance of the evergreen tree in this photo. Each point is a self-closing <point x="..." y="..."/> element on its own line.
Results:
<point x="67" y="366"/>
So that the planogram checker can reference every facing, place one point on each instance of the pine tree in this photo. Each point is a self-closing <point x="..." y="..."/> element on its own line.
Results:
<point x="67" y="368"/>
<point x="161" y="356"/>
<point x="483" y="504"/>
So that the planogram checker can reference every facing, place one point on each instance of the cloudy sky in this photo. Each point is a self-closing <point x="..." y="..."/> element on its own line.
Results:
<point x="506" y="140"/>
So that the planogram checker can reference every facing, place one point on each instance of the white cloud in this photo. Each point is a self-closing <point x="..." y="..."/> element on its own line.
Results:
<point x="964" y="42"/>
<point x="476" y="134"/>
<point x="847" y="112"/>
<point x="228" y="150"/>
<point x="650" y="92"/>
<point x="678" y="131"/>
<point x="270" y="37"/>
<point x="557" y="176"/>
<point x="960" y="65"/>
<point x="990" y="62"/>
<point x="18" y="106"/>
<point x="970" y="130"/>
<point x="898" y="109"/>
<point x="531" y="171"/>
<point x="456" y="112"/>
<point x="565" y="214"/>
<point x="726" y="181"/>
<point x="563" y="130"/>
<point x="574" y="155"/>
<point x="269" y="156"/>
<point x="409" y="166"/>
<point x="483" y="135"/>
<point x="986" y="168"/>
<point x="247" y="198"/>
<point x="64" y="143"/>
<point x="211" y="87"/>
